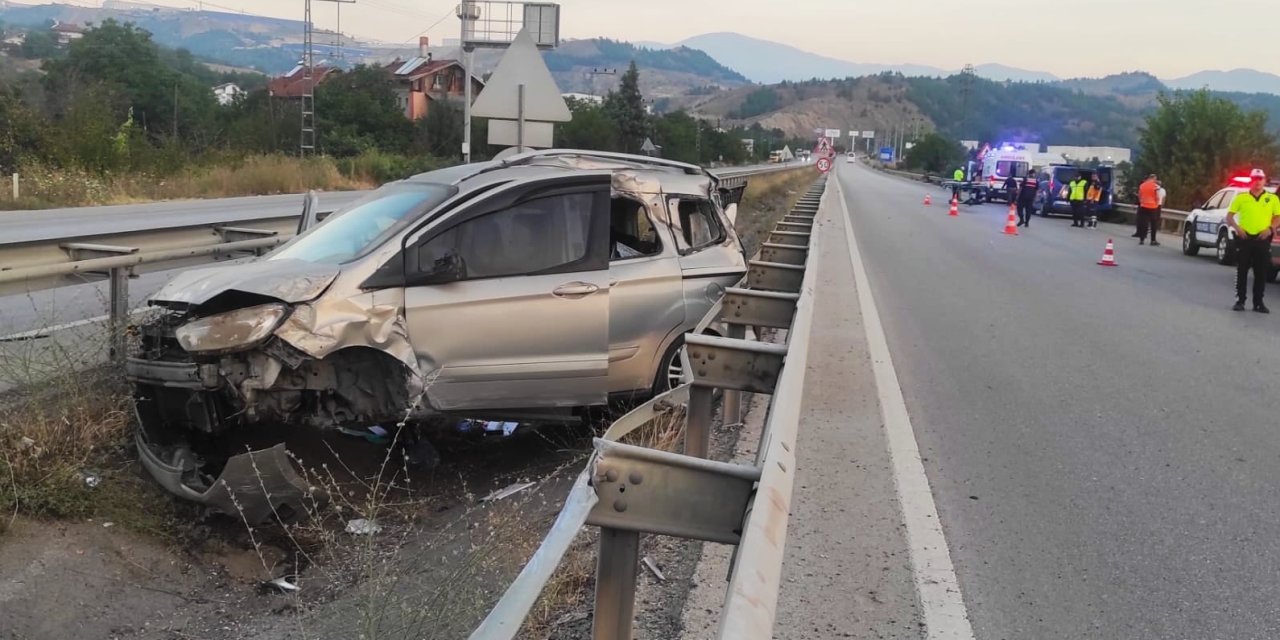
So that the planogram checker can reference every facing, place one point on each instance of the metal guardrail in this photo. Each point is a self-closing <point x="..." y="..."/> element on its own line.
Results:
<point x="627" y="490"/>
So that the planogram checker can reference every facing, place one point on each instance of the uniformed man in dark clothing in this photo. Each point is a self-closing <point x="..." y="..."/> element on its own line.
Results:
<point x="1027" y="199"/>
<point x="1011" y="189"/>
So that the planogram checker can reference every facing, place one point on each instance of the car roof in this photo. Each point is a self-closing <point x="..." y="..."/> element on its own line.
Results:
<point x="674" y="177"/>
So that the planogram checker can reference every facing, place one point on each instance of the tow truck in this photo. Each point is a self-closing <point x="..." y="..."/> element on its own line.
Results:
<point x="987" y="176"/>
<point x="1206" y="226"/>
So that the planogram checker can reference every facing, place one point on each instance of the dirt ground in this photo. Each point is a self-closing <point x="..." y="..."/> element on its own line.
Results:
<point x="441" y="559"/>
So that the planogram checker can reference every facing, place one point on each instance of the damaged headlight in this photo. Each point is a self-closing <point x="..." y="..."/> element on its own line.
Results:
<point x="231" y="331"/>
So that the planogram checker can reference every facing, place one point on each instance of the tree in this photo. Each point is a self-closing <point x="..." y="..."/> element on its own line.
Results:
<point x="1194" y="141"/>
<point x="591" y="128"/>
<point x="357" y="111"/>
<point x="39" y="44"/>
<point x="935" y="154"/>
<point x="626" y="108"/>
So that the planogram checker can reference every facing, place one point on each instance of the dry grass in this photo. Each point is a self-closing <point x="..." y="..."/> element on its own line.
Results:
<point x="44" y="186"/>
<point x="65" y="445"/>
<point x="258" y="175"/>
<point x="767" y="199"/>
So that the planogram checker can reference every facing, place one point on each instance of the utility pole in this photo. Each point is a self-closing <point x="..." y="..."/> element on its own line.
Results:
<point x="468" y="12"/>
<point x="307" y="139"/>
<point x="175" y="110"/>
<point x="966" y="87"/>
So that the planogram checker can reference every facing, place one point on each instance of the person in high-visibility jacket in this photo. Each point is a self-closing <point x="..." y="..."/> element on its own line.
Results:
<point x="958" y="176"/>
<point x="1254" y="216"/>
<point x="1076" y="195"/>
<point x="1148" y="209"/>
<point x="1092" y="197"/>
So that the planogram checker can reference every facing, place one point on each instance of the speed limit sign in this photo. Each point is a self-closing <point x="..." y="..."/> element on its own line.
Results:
<point x="824" y="165"/>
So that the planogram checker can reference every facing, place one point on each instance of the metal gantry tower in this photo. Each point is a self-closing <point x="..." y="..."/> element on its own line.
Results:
<point x="307" y="139"/>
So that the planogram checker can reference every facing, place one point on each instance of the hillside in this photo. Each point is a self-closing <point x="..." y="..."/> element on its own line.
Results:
<point x="666" y="72"/>
<point x="797" y="108"/>
<point x="270" y="45"/>
<point x="996" y="110"/>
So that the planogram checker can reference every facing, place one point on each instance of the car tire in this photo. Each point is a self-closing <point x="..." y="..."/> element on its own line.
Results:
<point x="1226" y="252"/>
<point x="669" y="368"/>
<point x="1189" y="245"/>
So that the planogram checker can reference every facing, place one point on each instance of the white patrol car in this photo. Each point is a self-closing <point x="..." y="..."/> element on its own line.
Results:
<point x="1206" y="225"/>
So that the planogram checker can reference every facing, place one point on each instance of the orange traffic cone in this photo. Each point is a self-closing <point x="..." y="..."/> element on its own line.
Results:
<point x="1011" y="224"/>
<point x="927" y="199"/>
<point x="1108" y="255"/>
<point x="955" y="211"/>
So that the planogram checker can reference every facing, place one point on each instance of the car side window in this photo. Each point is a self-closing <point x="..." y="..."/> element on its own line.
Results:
<point x="632" y="233"/>
<point x="697" y="224"/>
<point x="545" y="235"/>
<point x="1221" y="199"/>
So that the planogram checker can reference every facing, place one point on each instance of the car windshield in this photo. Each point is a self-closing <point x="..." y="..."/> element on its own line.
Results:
<point x="347" y="234"/>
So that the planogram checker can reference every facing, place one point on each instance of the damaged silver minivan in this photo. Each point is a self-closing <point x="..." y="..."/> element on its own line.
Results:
<point x="527" y="288"/>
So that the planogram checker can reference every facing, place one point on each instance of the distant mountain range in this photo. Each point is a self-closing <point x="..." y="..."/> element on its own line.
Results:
<point x="768" y="62"/>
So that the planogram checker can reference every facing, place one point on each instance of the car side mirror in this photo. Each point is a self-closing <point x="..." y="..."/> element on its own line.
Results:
<point x="447" y="268"/>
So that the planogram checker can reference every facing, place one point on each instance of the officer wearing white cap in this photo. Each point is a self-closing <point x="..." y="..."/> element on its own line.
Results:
<point x="1253" y="216"/>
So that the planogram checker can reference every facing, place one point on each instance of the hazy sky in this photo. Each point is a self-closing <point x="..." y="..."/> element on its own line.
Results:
<point x="1066" y="37"/>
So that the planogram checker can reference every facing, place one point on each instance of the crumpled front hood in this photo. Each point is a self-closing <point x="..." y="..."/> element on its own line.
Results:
<point x="288" y="281"/>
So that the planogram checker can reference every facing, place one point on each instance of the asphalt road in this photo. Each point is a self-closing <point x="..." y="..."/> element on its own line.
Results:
<point x="31" y="226"/>
<point x="1101" y="443"/>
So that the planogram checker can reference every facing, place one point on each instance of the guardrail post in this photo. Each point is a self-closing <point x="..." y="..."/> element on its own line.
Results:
<point x="697" y="431"/>
<point x="616" y="569"/>
<point x="733" y="397"/>
<point x="118" y="312"/>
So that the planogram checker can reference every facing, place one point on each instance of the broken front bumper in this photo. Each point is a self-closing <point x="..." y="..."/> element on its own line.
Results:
<point x="254" y="485"/>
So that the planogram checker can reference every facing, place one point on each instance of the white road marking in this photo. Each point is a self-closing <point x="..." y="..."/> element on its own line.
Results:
<point x="941" y="604"/>
<point x="45" y="332"/>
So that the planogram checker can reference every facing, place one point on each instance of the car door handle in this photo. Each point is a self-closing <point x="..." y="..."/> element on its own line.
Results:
<point x="575" y="289"/>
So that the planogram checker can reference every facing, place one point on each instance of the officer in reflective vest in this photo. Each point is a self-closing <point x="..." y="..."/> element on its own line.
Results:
<point x="1076" y="196"/>
<point x="1027" y="199"/>
<point x="1253" y="216"/>
<point x="958" y="176"/>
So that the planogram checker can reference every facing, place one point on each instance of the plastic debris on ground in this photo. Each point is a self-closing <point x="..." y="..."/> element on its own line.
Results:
<point x="282" y="584"/>
<point x="362" y="527"/>
<point x="374" y="434"/>
<point x="509" y="490"/>
<point x="492" y="426"/>
<point x="90" y="479"/>
<point x="653" y="568"/>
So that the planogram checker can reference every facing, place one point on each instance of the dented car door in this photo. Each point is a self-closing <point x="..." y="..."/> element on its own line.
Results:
<point x="507" y="301"/>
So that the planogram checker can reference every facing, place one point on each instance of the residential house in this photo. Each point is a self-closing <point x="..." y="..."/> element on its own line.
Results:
<point x="584" y="97"/>
<point x="422" y="80"/>
<point x="66" y="33"/>
<point x="228" y="93"/>
<point x="294" y="85"/>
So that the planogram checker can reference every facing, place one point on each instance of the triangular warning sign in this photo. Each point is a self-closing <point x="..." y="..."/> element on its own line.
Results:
<point x="522" y="64"/>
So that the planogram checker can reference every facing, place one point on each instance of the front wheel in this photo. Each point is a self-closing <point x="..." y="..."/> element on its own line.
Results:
<point x="1189" y="245"/>
<point x="1226" y="253"/>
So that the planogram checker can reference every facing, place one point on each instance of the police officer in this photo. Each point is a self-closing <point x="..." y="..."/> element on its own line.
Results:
<point x="1253" y="216"/>
<point x="1076" y="197"/>
<point x="1027" y="199"/>
<point x="958" y="176"/>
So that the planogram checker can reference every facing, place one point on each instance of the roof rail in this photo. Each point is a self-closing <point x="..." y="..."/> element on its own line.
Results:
<point x="521" y="158"/>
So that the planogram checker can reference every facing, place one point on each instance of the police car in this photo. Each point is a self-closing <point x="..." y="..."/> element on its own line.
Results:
<point x="1206" y="225"/>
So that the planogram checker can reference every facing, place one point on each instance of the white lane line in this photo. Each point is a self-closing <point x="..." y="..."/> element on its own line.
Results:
<point x="941" y="604"/>
<point x="45" y="332"/>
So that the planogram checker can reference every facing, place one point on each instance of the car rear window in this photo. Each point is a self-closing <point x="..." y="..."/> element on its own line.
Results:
<point x="349" y="233"/>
